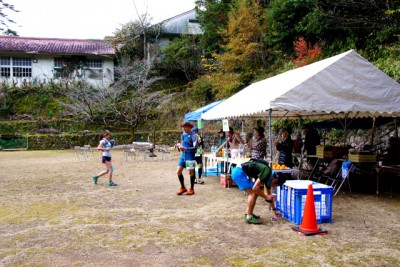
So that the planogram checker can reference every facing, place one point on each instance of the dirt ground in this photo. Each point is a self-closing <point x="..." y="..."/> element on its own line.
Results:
<point x="51" y="214"/>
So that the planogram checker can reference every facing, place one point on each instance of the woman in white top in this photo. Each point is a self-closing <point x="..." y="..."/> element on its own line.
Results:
<point x="105" y="146"/>
<point x="234" y="140"/>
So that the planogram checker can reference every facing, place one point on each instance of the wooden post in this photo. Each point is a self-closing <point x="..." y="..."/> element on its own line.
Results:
<point x="371" y="143"/>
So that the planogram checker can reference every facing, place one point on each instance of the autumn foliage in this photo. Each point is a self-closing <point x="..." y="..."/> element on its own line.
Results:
<point x="305" y="53"/>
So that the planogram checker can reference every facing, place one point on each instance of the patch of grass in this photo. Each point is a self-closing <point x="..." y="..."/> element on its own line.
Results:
<point x="239" y="260"/>
<point x="172" y="238"/>
<point x="202" y="261"/>
<point x="99" y="218"/>
<point x="24" y="213"/>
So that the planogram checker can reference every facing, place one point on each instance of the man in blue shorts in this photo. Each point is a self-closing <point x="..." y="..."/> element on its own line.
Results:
<point x="188" y="147"/>
<point x="249" y="177"/>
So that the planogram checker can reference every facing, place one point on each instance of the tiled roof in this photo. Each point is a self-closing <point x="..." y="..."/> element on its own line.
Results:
<point x="54" y="46"/>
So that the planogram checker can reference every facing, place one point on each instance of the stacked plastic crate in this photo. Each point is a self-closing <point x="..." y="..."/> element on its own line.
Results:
<point x="291" y="198"/>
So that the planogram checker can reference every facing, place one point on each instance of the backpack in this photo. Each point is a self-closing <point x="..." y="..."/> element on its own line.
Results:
<point x="260" y="161"/>
<point x="191" y="135"/>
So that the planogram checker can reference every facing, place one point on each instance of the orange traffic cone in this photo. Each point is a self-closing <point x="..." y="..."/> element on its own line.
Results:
<point x="309" y="222"/>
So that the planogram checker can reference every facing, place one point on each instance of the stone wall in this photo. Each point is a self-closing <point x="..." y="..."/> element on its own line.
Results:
<point x="355" y="138"/>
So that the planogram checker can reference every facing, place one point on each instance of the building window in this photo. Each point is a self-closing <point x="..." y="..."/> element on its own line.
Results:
<point x="59" y="62"/>
<point x="18" y="67"/>
<point x="22" y="72"/>
<point x="93" y="69"/>
<point x="69" y="67"/>
<point x="60" y="67"/>
<point x="5" y="61"/>
<point x="94" y="63"/>
<point x="22" y="61"/>
<point x="5" y="70"/>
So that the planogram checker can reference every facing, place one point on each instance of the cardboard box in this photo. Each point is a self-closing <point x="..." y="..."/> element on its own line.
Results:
<point x="331" y="152"/>
<point x="226" y="180"/>
<point x="362" y="158"/>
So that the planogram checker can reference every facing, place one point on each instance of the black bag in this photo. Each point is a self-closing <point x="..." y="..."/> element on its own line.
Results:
<point x="282" y="157"/>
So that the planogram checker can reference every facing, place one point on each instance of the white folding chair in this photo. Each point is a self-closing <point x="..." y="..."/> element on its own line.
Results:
<point x="88" y="152"/>
<point x="80" y="153"/>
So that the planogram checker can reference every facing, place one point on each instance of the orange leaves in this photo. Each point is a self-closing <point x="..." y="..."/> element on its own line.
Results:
<point x="305" y="53"/>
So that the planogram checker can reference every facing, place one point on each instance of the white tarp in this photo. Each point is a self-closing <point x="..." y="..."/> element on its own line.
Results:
<point x="346" y="84"/>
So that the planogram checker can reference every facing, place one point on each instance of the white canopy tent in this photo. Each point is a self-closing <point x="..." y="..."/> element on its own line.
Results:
<point x="346" y="85"/>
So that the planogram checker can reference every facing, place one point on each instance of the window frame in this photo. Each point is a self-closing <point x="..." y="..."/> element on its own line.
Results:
<point x="15" y="67"/>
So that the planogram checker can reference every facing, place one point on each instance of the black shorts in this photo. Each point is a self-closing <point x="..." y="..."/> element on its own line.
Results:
<point x="199" y="160"/>
<point x="105" y="158"/>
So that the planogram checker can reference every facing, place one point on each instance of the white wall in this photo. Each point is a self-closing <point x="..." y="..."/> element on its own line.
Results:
<point x="43" y="70"/>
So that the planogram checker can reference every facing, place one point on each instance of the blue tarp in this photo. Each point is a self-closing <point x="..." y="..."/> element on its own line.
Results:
<point x="195" y="115"/>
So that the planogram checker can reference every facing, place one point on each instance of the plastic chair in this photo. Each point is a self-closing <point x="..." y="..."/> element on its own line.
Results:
<point x="80" y="153"/>
<point x="129" y="153"/>
<point x="342" y="177"/>
<point x="88" y="152"/>
<point x="166" y="155"/>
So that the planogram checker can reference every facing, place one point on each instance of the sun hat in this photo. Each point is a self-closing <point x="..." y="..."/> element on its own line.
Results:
<point x="187" y="124"/>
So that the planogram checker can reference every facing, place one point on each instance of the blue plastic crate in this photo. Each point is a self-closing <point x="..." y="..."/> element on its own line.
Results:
<point x="291" y="199"/>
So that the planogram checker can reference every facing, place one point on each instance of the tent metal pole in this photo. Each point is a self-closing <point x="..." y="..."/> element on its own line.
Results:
<point x="270" y="132"/>
<point x="345" y="129"/>
<point x="371" y="143"/>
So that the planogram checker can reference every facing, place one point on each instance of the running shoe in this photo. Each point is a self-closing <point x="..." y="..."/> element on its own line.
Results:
<point x="181" y="191"/>
<point x="199" y="181"/>
<point x="253" y="220"/>
<point x="255" y="216"/>
<point x="191" y="191"/>
<point x="111" y="183"/>
<point x="95" y="179"/>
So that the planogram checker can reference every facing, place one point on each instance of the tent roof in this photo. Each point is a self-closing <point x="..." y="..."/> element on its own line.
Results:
<point x="345" y="84"/>
<point x="195" y="115"/>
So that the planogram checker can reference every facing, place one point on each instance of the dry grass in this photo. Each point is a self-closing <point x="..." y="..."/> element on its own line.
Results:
<point x="51" y="214"/>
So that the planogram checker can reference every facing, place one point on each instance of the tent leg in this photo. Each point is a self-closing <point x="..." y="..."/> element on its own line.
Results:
<point x="270" y="133"/>
<point x="371" y="143"/>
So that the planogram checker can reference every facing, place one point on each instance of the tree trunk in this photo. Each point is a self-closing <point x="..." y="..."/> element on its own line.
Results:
<point x="133" y="136"/>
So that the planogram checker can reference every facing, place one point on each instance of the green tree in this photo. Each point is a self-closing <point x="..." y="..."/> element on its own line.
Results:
<point x="183" y="54"/>
<point x="213" y="17"/>
<point x="245" y="49"/>
<point x="128" y="41"/>
<point x="133" y="38"/>
<point x="290" y="20"/>
<point x="372" y="23"/>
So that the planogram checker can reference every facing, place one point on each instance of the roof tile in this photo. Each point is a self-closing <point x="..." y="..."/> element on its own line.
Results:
<point x="55" y="46"/>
